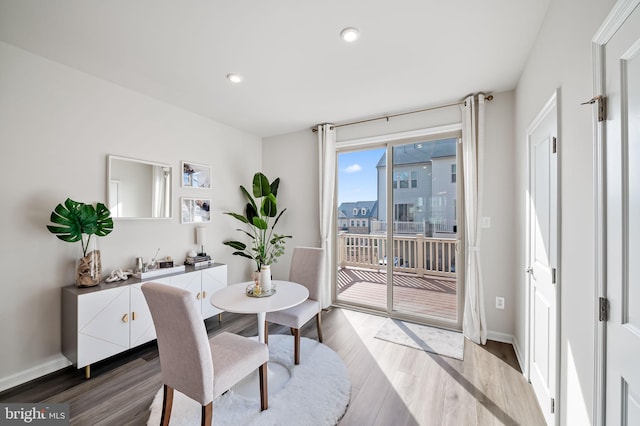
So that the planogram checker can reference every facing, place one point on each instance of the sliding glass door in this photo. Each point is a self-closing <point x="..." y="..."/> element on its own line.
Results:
<point x="397" y="218"/>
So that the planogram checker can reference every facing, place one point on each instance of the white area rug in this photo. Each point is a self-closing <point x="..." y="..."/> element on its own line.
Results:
<point x="430" y="339"/>
<point x="317" y="393"/>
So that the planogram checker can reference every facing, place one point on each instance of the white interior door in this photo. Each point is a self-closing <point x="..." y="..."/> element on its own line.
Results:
<point x="543" y="237"/>
<point x="622" y="88"/>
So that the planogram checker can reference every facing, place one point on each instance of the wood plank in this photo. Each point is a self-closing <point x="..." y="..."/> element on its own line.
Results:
<point x="391" y="384"/>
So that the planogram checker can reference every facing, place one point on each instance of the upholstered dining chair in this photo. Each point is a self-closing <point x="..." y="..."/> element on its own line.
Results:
<point x="306" y="269"/>
<point x="191" y="363"/>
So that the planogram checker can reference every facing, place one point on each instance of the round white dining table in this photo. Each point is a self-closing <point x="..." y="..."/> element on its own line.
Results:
<point x="234" y="299"/>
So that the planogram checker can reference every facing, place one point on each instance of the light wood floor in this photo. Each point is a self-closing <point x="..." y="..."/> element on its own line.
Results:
<point x="391" y="384"/>
<point x="432" y="296"/>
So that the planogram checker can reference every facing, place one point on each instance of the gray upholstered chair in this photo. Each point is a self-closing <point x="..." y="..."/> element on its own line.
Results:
<point x="306" y="269"/>
<point x="191" y="363"/>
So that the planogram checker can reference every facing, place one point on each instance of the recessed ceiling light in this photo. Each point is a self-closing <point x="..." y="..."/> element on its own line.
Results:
<point x="234" y="78"/>
<point x="350" y="34"/>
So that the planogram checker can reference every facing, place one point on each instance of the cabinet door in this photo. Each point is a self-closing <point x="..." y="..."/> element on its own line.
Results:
<point x="213" y="279"/>
<point x="103" y="324"/>
<point x="141" y="329"/>
<point x="189" y="281"/>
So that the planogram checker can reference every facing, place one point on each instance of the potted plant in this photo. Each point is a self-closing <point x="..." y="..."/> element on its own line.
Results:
<point x="260" y="217"/>
<point x="75" y="221"/>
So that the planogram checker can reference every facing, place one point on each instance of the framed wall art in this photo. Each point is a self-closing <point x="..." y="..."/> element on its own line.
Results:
<point x="196" y="175"/>
<point x="196" y="210"/>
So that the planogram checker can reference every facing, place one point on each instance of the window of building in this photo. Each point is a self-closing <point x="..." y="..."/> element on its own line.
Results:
<point x="401" y="180"/>
<point x="353" y="222"/>
<point x="414" y="179"/>
<point x="358" y="223"/>
<point x="363" y="211"/>
<point x="453" y="173"/>
<point x="355" y="211"/>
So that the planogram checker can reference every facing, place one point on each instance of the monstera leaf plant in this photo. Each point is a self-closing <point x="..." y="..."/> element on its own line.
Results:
<point x="75" y="221"/>
<point x="260" y="218"/>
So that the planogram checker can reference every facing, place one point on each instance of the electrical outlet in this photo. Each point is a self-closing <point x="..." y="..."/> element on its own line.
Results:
<point x="499" y="302"/>
<point x="485" y="222"/>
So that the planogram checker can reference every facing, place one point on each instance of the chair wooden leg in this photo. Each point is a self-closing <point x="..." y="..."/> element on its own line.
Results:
<point x="296" y="347"/>
<point x="167" y="404"/>
<point x="293" y="331"/>
<point x="266" y="332"/>
<point x="319" y="325"/>
<point x="207" y="414"/>
<point x="264" y="388"/>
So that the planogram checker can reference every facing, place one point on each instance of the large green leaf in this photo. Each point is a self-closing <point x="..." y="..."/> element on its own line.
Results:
<point x="274" y="187"/>
<point x="261" y="187"/>
<point x="235" y="244"/>
<point x="260" y="223"/>
<point x="249" y="197"/>
<point x="251" y="212"/>
<point x="73" y="219"/>
<point x="238" y="216"/>
<point x="269" y="207"/>
<point x="104" y="222"/>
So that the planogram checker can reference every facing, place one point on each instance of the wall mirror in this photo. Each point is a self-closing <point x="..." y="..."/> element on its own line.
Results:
<point x="138" y="189"/>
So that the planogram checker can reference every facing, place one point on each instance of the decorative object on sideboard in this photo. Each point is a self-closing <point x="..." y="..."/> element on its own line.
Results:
<point x="75" y="221"/>
<point x="196" y="175"/>
<point x="266" y="246"/>
<point x="201" y="239"/>
<point x="118" y="275"/>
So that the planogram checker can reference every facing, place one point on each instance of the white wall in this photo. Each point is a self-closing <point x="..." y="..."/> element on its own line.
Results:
<point x="57" y="126"/>
<point x="561" y="58"/>
<point x="294" y="157"/>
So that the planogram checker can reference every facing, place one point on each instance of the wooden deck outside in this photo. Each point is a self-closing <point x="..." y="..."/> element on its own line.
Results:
<point x="432" y="296"/>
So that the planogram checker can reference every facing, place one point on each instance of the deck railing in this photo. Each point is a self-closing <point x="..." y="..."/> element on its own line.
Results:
<point x="413" y="254"/>
<point x="380" y="227"/>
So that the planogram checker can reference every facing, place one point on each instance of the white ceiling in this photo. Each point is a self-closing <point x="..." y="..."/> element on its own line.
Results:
<point x="297" y="71"/>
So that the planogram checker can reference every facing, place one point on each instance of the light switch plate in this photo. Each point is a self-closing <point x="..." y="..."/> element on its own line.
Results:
<point x="485" y="222"/>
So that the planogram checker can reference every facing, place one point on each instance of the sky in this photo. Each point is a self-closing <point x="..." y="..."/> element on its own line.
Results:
<point x="357" y="175"/>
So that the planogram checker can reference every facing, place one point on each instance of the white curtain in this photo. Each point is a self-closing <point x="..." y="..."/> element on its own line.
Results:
<point x="327" y="176"/>
<point x="474" y="324"/>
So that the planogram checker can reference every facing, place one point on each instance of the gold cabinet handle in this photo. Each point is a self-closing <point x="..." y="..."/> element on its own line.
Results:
<point x="198" y="296"/>
<point x="125" y="318"/>
<point x="204" y="294"/>
<point x="133" y="316"/>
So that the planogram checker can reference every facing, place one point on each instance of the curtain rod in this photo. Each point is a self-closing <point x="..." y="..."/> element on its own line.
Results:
<point x="387" y="117"/>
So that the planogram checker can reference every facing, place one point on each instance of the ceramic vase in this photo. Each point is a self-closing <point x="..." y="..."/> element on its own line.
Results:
<point x="265" y="278"/>
<point x="89" y="265"/>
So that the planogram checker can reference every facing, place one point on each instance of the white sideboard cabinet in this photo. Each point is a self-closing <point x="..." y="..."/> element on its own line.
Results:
<point x="102" y="321"/>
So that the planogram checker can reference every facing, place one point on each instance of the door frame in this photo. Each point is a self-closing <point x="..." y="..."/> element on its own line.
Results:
<point x="553" y="102"/>
<point x="390" y="139"/>
<point x="612" y="23"/>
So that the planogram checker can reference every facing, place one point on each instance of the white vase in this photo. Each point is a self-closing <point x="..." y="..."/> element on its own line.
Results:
<point x="265" y="278"/>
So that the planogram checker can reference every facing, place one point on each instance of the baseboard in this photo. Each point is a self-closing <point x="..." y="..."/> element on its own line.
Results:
<point x="519" y="356"/>
<point x="500" y="337"/>
<point x="55" y="363"/>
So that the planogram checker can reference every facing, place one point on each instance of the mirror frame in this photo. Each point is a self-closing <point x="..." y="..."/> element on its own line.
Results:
<point x="151" y="163"/>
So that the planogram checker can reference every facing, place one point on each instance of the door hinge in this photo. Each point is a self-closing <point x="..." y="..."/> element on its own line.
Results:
<point x="602" y="106"/>
<point x="553" y="275"/>
<point x="603" y="309"/>
<point x="555" y="143"/>
<point x="553" y="405"/>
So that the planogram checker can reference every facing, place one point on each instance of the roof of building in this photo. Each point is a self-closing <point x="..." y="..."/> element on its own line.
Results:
<point x="421" y="152"/>
<point x="347" y="208"/>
